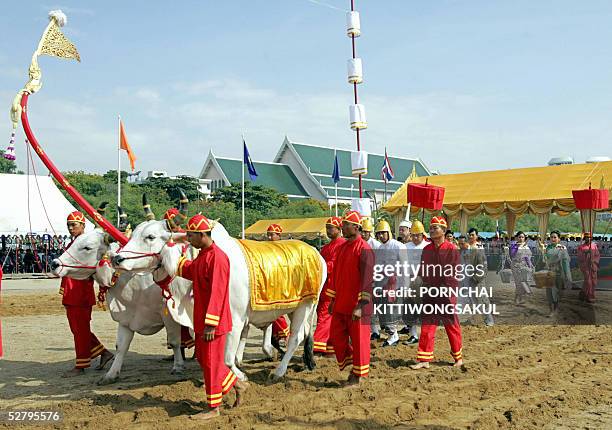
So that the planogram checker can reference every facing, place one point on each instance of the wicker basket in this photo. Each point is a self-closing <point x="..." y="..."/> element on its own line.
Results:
<point x="505" y="275"/>
<point x="544" y="279"/>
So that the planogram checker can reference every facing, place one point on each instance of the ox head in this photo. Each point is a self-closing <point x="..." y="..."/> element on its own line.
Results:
<point x="142" y="252"/>
<point x="80" y="259"/>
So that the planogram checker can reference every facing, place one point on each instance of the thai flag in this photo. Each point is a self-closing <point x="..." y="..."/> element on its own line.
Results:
<point x="387" y="172"/>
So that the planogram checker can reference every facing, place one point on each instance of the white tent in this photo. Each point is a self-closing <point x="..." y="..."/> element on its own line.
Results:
<point x="47" y="216"/>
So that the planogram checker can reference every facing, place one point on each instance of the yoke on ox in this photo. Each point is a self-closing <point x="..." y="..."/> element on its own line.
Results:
<point x="267" y="280"/>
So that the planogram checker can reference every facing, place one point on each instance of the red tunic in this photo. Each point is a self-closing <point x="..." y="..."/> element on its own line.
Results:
<point x="440" y="261"/>
<point x="77" y="292"/>
<point x="329" y="253"/>
<point x="209" y="273"/>
<point x="352" y="277"/>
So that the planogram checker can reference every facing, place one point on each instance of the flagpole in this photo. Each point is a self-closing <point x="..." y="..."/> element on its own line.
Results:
<point x="336" y="183"/>
<point x="119" y="171"/>
<point x="243" y="143"/>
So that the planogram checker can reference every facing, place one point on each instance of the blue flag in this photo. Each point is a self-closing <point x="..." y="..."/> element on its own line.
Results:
<point x="336" y="172"/>
<point x="249" y="162"/>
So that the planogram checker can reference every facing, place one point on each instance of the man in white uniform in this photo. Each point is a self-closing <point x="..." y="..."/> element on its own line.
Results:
<point x="389" y="253"/>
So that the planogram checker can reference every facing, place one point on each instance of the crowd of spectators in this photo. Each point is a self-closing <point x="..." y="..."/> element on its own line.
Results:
<point x="30" y="253"/>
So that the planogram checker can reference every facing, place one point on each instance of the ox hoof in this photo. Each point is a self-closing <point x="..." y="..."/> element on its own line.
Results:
<point x="107" y="380"/>
<point x="178" y="371"/>
<point x="273" y="377"/>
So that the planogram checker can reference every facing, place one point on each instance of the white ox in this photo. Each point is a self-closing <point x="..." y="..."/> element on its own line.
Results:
<point x="149" y="241"/>
<point x="135" y="301"/>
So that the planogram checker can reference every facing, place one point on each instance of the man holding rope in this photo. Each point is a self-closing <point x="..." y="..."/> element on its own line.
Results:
<point x="78" y="297"/>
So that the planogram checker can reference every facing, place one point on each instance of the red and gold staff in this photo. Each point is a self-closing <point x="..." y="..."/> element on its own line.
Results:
<point x="212" y="317"/>
<point x="187" y="341"/>
<point x="78" y="297"/>
<point x="329" y="252"/>
<point x="280" y="328"/>
<point x="588" y="261"/>
<point x="437" y="258"/>
<point x="350" y="300"/>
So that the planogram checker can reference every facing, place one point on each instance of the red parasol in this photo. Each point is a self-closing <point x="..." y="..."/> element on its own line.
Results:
<point x="426" y="196"/>
<point x="588" y="200"/>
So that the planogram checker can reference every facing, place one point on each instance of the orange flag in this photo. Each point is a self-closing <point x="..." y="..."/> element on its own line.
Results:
<point x="123" y="144"/>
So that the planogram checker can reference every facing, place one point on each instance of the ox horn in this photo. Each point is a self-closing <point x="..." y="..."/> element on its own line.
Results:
<point x="102" y="208"/>
<point x="183" y="201"/>
<point x="149" y="215"/>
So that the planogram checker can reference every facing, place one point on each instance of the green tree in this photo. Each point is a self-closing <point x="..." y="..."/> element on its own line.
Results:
<point x="256" y="197"/>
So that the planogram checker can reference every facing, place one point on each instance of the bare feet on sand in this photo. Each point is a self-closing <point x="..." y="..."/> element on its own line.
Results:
<point x="420" y="365"/>
<point x="73" y="372"/>
<point x="207" y="415"/>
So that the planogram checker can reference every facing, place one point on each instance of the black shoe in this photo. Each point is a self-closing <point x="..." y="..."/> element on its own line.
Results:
<point x="411" y="340"/>
<point x="386" y="343"/>
<point x="405" y="330"/>
<point x="375" y="336"/>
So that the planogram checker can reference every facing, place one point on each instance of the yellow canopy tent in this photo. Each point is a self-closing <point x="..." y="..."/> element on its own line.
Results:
<point x="512" y="192"/>
<point x="294" y="228"/>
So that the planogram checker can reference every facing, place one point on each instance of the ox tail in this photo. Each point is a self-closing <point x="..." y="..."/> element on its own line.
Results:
<point x="309" y="360"/>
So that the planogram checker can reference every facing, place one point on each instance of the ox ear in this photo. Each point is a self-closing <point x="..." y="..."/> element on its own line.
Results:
<point x="149" y="215"/>
<point x="179" y="236"/>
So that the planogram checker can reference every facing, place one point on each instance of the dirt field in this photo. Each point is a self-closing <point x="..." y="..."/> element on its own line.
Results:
<point x="516" y="377"/>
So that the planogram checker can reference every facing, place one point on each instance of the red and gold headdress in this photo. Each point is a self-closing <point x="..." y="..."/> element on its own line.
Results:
<point x="275" y="228"/>
<point x="76" y="216"/>
<point x="199" y="224"/>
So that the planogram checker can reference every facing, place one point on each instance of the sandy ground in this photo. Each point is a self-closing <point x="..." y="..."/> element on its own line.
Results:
<point x="519" y="377"/>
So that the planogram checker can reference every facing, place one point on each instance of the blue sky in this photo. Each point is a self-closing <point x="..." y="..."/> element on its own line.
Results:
<point x="464" y="85"/>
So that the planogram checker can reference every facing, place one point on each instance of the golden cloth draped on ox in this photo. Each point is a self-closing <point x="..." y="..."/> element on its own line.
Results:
<point x="281" y="273"/>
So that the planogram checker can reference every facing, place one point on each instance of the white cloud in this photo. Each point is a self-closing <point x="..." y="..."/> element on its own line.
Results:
<point x="172" y="127"/>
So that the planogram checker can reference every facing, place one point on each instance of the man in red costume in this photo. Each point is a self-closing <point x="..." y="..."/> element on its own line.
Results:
<point x="78" y="297"/>
<point x="212" y="318"/>
<point x="350" y="300"/>
<point x="321" y="336"/>
<point x="439" y="263"/>
<point x="187" y="341"/>
<point x="588" y="261"/>
<point x="280" y="328"/>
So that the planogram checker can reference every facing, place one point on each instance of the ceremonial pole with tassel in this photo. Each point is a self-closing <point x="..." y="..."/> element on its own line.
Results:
<point x="355" y="77"/>
<point x="55" y="44"/>
<point x="119" y="171"/>
<point x="242" y="169"/>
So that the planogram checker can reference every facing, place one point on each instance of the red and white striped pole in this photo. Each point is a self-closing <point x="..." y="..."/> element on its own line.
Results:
<point x="355" y="77"/>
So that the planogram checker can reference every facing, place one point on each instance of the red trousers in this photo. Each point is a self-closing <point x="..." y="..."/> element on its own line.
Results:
<point x="322" y="342"/>
<point x="218" y="378"/>
<point x="428" y="337"/>
<point x="589" y="284"/>
<point x="351" y="341"/>
<point x="86" y="344"/>
<point x="186" y="339"/>
<point x="280" y="328"/>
